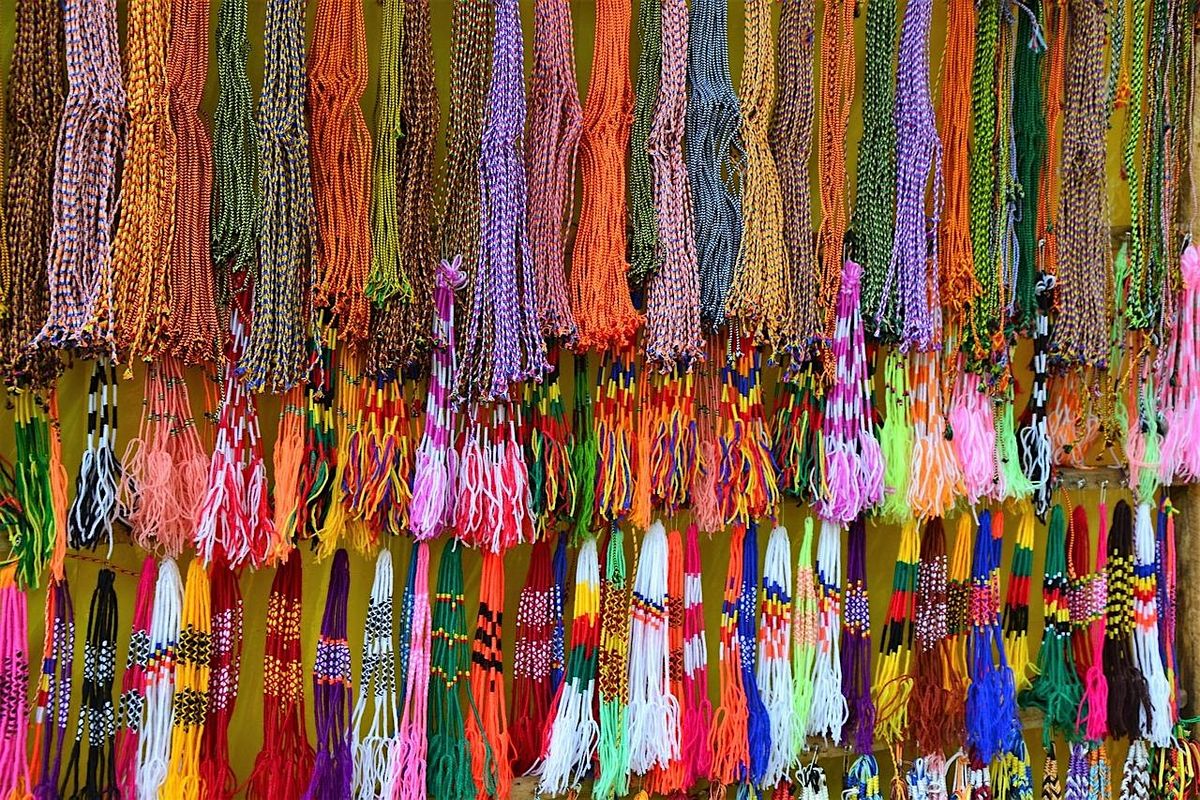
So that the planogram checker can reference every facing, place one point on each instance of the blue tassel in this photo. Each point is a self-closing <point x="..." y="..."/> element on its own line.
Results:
<point x="758" y="723"/>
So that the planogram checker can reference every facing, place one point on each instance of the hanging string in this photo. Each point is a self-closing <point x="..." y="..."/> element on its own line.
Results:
<point x="758" y="723"/>
<point x="1034" y="437"/>
<point x="1083" y="257"/>
<point x="1030" y="119"/>
<point x="876" y="199"/>
<point x="758" y="293"/>
<point x="935" y="477"/>
<point x="409" y="765"/>
<point x="612" y="672"/>
<point x="773" y="675"/>
<point x="729" y="730"/>
<point x="376" y="718"/>
<point x="154" y="746"/>
<point x="377" y="486"/>
<point x="91" y="138"/>
<point x="192" y="329"/>
<point x="435" y="474"/>
<point x="1127" y="688"/>
<point x="706" y="509"/>
<point x="341" y="165"/>
<point x="131" y="703"/>
<point x="600" y="297"/>
<point x="532" y="656"/>
<point x="1096" y="598"/>
<point x="1168" y="600"/>
<point x="893" y="681"/>
<point x="502" y="344"/>
<point x="492" y="506"/>
<point x="555" y="124"/>
<point x="94" y="509"/>
<point x="285" y="762"/>
<point x="571" y="733"/>
<point x="53" y="710"/>
<point x="896" y="439"/>
<point x="97" y="718"/>
<point x="931" y="708"/>
<point x="217" y="777"/>
<point x="15" y="779"/>
<point x="192" y="670"/>
<point x="487" y="725"/>
<point x="797" y="429"/>
<point x="1177" y="376"/>
<point x="673" y="301"/>
<point x="791" y="144"/>
<point x="448" y="757"/>
<point x="333" y="769"/>
<point x="281" y="326"/>
<point x="141" y="247"/>
<point x="836" y="67"/>
<point x="913" y="271"/>
<point x="32" y="533"/>
<point x="1156" y="718"/>
<point x="828" y="712"/>
<point x="33" y="109"/>
<point x="652" y="718"/>
<point x="747" y="488"/>
<point x="714" y="155"/>
<point x="697" y="713"/>
<point x="853" y="459"/>
<point x="1016" y="605"/>
<point x="643" y="216"/>
<point x="669" y="778"/>
<point x="403" y="221"/>
<point x="235" y="152"/>
<point x="335" y="524"/>
<point x="972" y="421"/>
<point x="805" y="622"/>
<point x="549" y="448"/>
<point x="858" y="731"/>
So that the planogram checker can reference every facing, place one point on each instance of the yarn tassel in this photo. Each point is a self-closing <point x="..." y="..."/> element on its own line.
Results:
<point x="932" y="721"/>
<point x="154" y="747"/>
<point x="747" y="488"/>
<point x="408" y="754"/>
<point x="585" y="453"/>
<point x="375" y="724"/>
<point x="697" y="712"/>
<point x="1035" y="447"/>
<point x="652" y="715"/>
<point x="1095" y="698"/>
<point x="34" y="531"/>
<point x="449" y="772"/>
<point x="131" y="705"/>
<point x="1128" y="698"/>
<point x="571" y="732"/>
<point x="192" y="672"/>
<point x="797" y="443"/>
<point x="896" y="439"/>
<point x="284" y="764"/>
<point x="1181" y="404"/>
<point x="972" y="421"/>
<point x="1011" y="483"/>
<point x="935" y="478"/>
<point x="829" y="711"/>
<point x="706" y="508"/>
<point x="774" y="676"/>
<point x="94" y="509"/>
<point x="217" y="778"/>
<point x="1016" y="603"/>
<point x="487" y="726"/>
<point x="492" y="506"/>
<point x="552" y="484"/>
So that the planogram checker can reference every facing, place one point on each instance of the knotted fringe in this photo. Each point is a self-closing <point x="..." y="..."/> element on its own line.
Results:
<point x="1156" y="718"/>
<point x="728" y="735"/>
<point x="805" y="625"/>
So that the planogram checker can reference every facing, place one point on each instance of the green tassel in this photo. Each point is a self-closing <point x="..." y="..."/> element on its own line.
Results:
<point x="583" y="454"/>
<point x="449" y="759"/>
<point x="613" y="780"/>
<point x="896" y="439"/>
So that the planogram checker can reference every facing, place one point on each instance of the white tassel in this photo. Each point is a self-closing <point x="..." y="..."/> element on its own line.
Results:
<point x="1156" y="726"/>
<point x="652" y="715"/>
<point x="774" y="668"/>
<point x="574" y="732"/>
<point x="828" y="712"/>
<point x="376" y="707"/>
<point x="154" y="745"/>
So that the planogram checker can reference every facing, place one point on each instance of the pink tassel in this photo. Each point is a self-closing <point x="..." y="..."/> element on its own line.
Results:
<point x="973" y="423"/>
<point x="409" y="767"/>
<point x="1180" y="403"/>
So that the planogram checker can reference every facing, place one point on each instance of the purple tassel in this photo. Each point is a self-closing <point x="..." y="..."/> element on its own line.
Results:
<point x="859" y="729"/>
<point x="333" y="770"/>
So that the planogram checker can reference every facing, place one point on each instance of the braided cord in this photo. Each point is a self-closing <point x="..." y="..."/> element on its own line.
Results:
<point x="643" y="246"/>
<point x="791" y="145"/>
<point x="1030" y="134"/>
<point x="388" y="274"/>
<point x="340" y="146"/>
<point x="556" y="121"/>
<point x="145" y="228"/>
<point x="85" y="185"/>
<point x="673" y="303"/>
<point x="875" y="201"/>
<point x="235" y="152"/>
<point x="1136" y="295"/>
<point x="402" y="331"/>
<point x="281" y="323"/>
<point x="33" y="108"/>
<point x="758" y="293"/>
<point x="713" y="156"/>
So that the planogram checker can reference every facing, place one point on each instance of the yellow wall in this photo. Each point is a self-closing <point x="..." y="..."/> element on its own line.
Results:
<point x="246" y="728"/>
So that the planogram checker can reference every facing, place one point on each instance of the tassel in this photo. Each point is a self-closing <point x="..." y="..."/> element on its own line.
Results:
<point x="409" y="750"/>
<point x="90" y="520"/>
<point x="797" y="443"/>
<point x="893" y="680"/>
<point x="571" y="732"/>
<point x="668" y="780"/>
<point x="284" y="764"/>
<point x="673" y="453"/>
<point x="192" y="674"/>
<point x="1128" y="698"/>
<point x="532" y="657"/>
<point x="487" y="726"/>
<point x="747" y="487"/>
<point x="896" y="439"/>
<point x="1035" y="447"/>
<point x="858" y="731"/>
<point x="805" y="629"/>
<point x="652" y="716"/>
<point x="974" y="439"/>
<point x="492" y="506"/>
<point x="53" y="710"/>
<point x="935" y="478"/>
<point x="377" y="709"/>
<point x="131" y="705"/>
<point x="378" y="479"/>
<point x="829" y="711"/>
<point x="1167" y="599"/>
<point x="729" y="731"/>
<point x="1177" y="380"/>
<point x="449" y="759"/>
<point x="1011" y="483"/>
<point x="1014" y="775"/>
<point x="552" y="484"/>
<point x="958" y="606"/>
<point x="15" y="781"/>
<point x="31" y="510"/>
<point x="1156" y="718"/>
<point x="932" y="701"/>
<point x="332" y="773"/>
<point x="774" y="677"/>
<point x="1095" y="698"/>
<point x="1016" y="603"/>
<point x="154" y="752"/>
<point x="614" y="420"/>
<point x="613" y="778"/>
<point x="696" y="726"/>
<point x="217" y="778"/>
<point x="585" y="453"/>
<point x="758" y="722"/>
